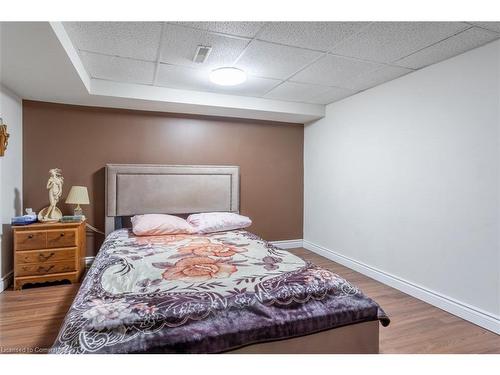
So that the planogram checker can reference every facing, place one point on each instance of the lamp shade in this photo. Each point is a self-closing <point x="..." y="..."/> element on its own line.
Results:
<point x="78" y="195"/>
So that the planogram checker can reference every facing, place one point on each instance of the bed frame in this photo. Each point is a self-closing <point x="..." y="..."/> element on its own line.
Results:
<point x="133" y="189"/>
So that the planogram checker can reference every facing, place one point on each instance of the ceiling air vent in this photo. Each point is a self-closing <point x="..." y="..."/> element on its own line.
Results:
<point x="201" y="54"/>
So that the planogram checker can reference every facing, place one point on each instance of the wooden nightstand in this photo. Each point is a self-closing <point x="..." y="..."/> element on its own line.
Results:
<point x="48" y="252"/>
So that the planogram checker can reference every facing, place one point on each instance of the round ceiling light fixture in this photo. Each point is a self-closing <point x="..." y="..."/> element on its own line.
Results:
<point x="228" y="76"/>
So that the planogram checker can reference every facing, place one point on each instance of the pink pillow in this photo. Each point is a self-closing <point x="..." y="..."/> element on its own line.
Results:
<point x="218" y="222"/>
<point x="158" y="224"/>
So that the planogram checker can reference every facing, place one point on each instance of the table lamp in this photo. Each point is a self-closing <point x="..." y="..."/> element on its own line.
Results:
<point x="78" y="195"/>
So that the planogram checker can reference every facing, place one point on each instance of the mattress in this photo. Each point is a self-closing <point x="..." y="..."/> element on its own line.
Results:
<point x="203" y="294"/>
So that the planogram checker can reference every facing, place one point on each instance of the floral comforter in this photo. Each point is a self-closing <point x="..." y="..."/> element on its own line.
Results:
<point x="203" y="294"/>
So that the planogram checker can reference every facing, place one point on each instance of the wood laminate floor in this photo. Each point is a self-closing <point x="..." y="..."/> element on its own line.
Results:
<point x="31" y="318"/>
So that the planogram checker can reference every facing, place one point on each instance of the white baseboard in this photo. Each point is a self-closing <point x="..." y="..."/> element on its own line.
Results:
<point x="5" y="281"/>
<point x="463" y="310"/>
<point x="287" y="244"/>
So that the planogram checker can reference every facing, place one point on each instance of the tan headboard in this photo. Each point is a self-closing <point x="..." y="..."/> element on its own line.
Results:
<point x="133" y="189"/>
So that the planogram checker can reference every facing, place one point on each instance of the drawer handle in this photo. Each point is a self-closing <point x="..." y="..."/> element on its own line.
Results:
<point x="62" y="234"/>
<point x="44" y="258"/>
<point x="30" y="236"/>
<point x="45" y="269"/>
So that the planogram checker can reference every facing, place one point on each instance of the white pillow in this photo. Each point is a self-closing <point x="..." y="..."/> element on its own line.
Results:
<point x="158" y="224"/>
<point x="218" y="222"/>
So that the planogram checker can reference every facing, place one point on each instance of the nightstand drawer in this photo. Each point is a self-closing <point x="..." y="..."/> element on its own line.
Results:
<point x="45" y="268"/>
<point x="61" y="238"/>
<point x="30" y="240"/>
<point x="43" y="256"/>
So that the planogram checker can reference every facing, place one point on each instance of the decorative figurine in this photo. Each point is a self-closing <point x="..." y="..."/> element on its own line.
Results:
<point x="54" y="185"/>
<point x="4" y="137"/>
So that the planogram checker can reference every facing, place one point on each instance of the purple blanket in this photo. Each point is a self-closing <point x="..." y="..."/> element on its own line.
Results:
<point x="203" y="294"/>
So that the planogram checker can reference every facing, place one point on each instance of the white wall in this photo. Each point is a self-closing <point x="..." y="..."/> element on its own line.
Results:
<point x="403" y="180"/>
<point x="10" y="178"/>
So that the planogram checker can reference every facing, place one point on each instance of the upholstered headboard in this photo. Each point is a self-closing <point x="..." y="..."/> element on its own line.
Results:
<point x="133" y="189"/>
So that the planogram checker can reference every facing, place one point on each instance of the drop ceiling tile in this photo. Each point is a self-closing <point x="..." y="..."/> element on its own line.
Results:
<point x="450" y="47"/>
<point x="377" y="77"/>
<point x="335" y="71"/>
<point x="180" y="43"/>
<point x="314" y="35"/>
<point x="139" y="40"/>
<point x="118" y="69"/>
<point x="390" y="41"/>
<point x="333" y="94"/>
<point x="274" y="61"/>
<point x="241" y="29"/>
<point x="180" y="77"/>
<point x="493" y="26"/>
<point x="295" y="91"/>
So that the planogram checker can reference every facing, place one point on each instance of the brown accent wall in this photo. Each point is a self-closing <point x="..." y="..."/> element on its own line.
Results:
<point x="81" y="140"/>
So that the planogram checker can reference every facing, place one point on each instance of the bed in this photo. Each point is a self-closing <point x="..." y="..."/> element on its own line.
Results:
<point x="226" y="292"/>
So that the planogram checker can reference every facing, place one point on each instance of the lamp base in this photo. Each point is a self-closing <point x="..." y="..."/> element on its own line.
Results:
<point x="78" y="211"/>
